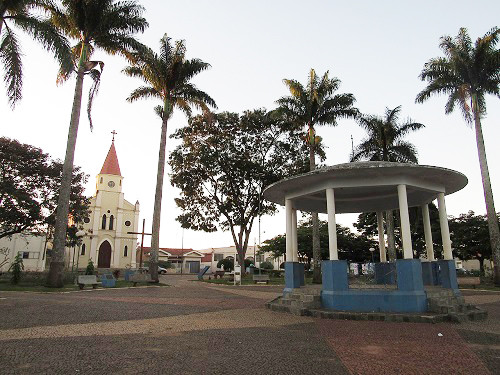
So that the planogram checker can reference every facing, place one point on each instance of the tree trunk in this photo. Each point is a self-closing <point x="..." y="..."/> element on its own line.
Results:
<point x="488" y="193"/>
<point x="55" y="276"/>
<point x="315" y="228"/>
<point x="391" y="242"/>
<point x="155" y="238"/>
<point x="481" y="266"/>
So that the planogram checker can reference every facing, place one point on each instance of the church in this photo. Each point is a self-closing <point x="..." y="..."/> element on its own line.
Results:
<point x="106" y="240"/>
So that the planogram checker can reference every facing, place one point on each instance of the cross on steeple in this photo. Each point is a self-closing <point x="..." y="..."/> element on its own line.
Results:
<point x="113" y="132"/>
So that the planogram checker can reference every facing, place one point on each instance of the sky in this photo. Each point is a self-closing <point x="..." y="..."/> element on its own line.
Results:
<point x="376" y="48"/>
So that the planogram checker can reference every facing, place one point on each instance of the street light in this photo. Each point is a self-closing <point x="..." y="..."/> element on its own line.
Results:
<point x="79" y="234"/>
<point x="371" y="251"/>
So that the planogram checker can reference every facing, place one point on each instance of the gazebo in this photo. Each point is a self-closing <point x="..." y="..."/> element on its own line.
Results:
<point x="371" y="187"/>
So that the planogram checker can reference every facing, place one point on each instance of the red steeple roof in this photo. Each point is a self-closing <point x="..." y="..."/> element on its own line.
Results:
<point x="111" y="165"/>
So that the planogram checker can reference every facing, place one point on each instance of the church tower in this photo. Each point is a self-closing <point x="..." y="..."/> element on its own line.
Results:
<point x="106" y="241"/>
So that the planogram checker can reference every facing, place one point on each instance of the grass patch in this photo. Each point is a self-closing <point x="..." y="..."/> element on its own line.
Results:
<point x="26" y="286"/>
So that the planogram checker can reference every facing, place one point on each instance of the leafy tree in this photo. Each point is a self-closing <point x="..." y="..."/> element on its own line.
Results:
<point x="367" y="225"/>
<point x="21" y="14"/>
<point x="29" y="183"/>
<point x="226" y="264"/>
<point x="90" y="270"/>
<point x="385" y="143"/>
<point x="16" y="268"/>
<point x="110" y="26"/>
<point x="266" y="266"/>
<point x="316" y="104"/>
<point x="466" y="74"/>
<point x="4" y="256"/>
<point x="469" y="235"/>
<point x="351" y="247"/>
<point x="167" y="76"/>
<point x="223" y="165"/>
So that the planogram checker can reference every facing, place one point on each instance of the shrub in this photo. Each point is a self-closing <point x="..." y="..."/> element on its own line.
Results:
<point x="165" y="264"/>
<point x="248" y="263"/>
<point x="90" y="270"/>
<point x="116" y="274"/>
<point x="226" y="264"/>
<point x="17" y="268"/>
<point x="266" y="266"/>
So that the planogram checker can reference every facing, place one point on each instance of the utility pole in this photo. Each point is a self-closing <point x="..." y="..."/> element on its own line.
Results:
<point x="142" y="240"/>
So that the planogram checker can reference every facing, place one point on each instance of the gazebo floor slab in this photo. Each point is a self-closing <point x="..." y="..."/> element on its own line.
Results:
<point x="293" y="306"/>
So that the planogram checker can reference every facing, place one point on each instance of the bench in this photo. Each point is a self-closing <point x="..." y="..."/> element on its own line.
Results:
<point x="261" y="278"/>
<point x="141" y="278"/>
<point x="469" y="281"/>
<point x="87" y="280"/>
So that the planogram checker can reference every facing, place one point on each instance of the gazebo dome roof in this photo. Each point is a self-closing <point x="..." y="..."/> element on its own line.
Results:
<point x="365" y="186"/>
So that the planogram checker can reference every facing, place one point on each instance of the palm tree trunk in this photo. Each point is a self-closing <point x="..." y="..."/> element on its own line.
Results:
<point x="155" y="238"/>
<point x="391" y="242"/>
<point x="315" y="229"/>
<point x="55" y="276"/>
<point x="488" y="193"/>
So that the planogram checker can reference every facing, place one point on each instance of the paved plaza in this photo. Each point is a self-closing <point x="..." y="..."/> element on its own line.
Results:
<point x="198" y="328"/>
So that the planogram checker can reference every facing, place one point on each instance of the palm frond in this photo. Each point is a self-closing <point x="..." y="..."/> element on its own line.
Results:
<point x="10" y="56"/>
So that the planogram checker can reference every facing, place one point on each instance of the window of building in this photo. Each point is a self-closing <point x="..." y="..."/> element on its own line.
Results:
<point x="127" y="223"/>
<point x="103" y="221"/>
<point x="125" y="251"/>
<point x="218" y="257"/>
<point x="26" y="254"/>
<point x="29" y="254"/>
<point x="111" y="219"/>
<point x="259" y="258"/>
<point x="83" y="250"/>
<point x="101" y="180"/>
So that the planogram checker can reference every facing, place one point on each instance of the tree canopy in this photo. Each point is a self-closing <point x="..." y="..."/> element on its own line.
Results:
<point x="351" y="246"/>
<point x="29" y="189"/>
<point x="224" y="163"/>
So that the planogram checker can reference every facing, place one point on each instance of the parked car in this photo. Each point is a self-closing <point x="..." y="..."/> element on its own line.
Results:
<point x="161" y="270"/>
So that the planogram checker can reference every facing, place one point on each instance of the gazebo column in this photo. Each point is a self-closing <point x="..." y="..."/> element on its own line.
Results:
<point x="381" y="236"/>
<point x="294" y="271"/>
<point x="430" y="269"/>
<point x="447" y="267"/>
<point x="409" y="270"/>
<point x="295" y="248"/>
<point x="334" y="271"/>
<point x="405" y="222"/>
<point x="383" y="274"/>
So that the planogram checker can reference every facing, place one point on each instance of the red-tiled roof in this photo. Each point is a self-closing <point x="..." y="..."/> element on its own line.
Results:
<point x="111" y="165"/>
<point x="207" y="258"/>
<point x="178" y="252"/>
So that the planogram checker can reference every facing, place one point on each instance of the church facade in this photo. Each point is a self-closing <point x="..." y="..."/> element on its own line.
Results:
<point x="106" y="240"/>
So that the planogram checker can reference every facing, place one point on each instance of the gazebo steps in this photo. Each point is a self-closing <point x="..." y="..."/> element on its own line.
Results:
<point x="294" y="305"/>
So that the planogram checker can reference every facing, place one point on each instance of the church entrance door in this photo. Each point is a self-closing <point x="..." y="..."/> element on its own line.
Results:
<point x="104" y="260"/>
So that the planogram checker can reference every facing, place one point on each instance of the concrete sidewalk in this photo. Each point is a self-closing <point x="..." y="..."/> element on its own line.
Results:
<point x="197" y="328"/>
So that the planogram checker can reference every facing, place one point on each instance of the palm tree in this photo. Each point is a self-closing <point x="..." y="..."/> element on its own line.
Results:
<point x="18" y="13"/>
<point x="467" y="73"/>
<point x="316" y="104"/>
<point x="167" y="77"/>
<point x="105" y="24"/>
<point x="385" y="143"/>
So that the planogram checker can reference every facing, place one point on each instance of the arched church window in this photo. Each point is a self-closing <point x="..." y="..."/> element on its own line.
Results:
<point x="83" y="250"/>
<point x="111" y="219"/>
<point x="101" y="180"/>
<point x="103" y="221"/>
<point x="125" y="251"/>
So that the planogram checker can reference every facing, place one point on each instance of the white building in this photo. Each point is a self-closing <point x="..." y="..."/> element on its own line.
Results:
<point x="31" y="247"/>
<point x="106" y="241"/>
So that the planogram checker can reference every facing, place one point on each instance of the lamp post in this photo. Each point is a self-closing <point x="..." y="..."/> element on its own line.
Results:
<point x="79" y="235"/>
<point x="371" y="251"/>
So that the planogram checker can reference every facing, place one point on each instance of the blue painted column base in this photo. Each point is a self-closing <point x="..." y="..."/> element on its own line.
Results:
<point x="294" y="276"/>
<point x="385" y="273"/>
<point x="448" y="274"/>
<point x="430" y="273"/>
<point x="409" y="297"/>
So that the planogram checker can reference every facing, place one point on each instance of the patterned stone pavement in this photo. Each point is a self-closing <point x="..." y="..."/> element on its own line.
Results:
<point x="197" y="328"/>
